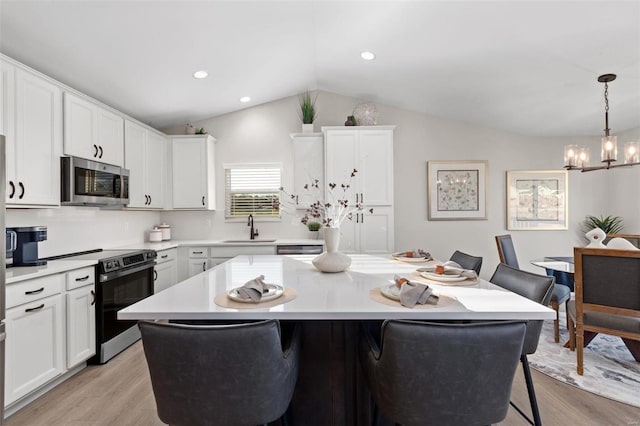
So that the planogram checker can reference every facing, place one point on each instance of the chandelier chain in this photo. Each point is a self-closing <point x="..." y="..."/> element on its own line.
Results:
<point x="606" y="97"/>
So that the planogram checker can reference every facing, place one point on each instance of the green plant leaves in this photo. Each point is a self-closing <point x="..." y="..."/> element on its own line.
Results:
<point x="609" y="224"/>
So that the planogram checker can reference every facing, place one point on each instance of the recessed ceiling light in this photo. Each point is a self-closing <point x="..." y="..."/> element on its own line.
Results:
<point x="368" y="56"/>
<point x="245" y="99"/>
<point x="200" y="74"/>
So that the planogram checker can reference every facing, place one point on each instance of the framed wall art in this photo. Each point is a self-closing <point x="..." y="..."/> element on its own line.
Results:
<point x="537" y="200"/>
<point x="457" y="190"/>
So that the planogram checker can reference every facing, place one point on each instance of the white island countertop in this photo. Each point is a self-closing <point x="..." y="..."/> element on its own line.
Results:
<point x="325" y="296"/>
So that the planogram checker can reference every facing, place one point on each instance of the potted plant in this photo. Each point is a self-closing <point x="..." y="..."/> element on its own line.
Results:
<point x="313" y="228"/>
<point x="609" y="224"/>
<point x="307" y="111"/>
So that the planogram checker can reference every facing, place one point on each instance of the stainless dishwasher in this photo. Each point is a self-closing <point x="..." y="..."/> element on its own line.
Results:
<point x="300" y="249"/>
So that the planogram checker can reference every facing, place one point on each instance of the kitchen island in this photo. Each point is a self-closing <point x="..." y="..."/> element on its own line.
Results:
<point x="330" y="389"/>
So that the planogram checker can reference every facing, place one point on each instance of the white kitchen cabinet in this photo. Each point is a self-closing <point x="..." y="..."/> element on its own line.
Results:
<point x="145" y="159"/>
<point x="166" y="270"/>
<point x="308" y="164"/>
<point x="81" y="325"/>
<point x="32" y="124"/>
<point x="34" y="346"/>
<point x="92" y="132"/>
<point x="193" y="172"/>
<point x="369" y="150"/>
<point x="81" y="315"/>
<point x="197" y="266"/>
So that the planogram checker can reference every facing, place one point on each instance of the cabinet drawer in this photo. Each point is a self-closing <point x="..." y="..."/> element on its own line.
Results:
<point x="171" y="254"/>
<point x="31" y="290"/>
<point x="233" y="251"/>
<point x="81" y="277"/>
<point x="198" y="252"/>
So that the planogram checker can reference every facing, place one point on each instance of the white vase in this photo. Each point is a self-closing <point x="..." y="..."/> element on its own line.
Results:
<point x="307" y="128"/>
<point x="332" y="260"/>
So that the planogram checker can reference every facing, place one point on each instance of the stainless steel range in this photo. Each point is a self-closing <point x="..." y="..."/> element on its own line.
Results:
<point x="123" y="277"/>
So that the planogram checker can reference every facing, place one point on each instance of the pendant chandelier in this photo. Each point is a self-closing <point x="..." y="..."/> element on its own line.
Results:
<point x="577" y="158"/>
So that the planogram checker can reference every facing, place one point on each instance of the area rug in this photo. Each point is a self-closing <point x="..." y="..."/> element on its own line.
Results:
<point x="609" y="368"/>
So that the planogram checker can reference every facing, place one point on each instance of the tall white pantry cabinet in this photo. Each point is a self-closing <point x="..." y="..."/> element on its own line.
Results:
<point x="369" y="150"/>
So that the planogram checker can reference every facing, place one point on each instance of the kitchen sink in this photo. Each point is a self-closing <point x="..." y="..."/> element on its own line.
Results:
<point x="249" y="241"/>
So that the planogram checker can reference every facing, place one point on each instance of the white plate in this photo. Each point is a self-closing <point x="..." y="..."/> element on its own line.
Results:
<point x="442" y="277"/>
<point x="273" y="292"/>
<point x="411" y="259"/>
<point x="390" y="291"/>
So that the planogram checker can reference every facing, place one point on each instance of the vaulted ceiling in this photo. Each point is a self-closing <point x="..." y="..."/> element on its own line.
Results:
<point x="525" y="67"/>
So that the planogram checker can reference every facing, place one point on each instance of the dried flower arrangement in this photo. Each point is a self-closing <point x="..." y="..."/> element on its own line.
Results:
<point x="332" y="212"/>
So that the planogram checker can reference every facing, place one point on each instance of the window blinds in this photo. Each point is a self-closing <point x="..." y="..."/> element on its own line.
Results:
<point x="252" y="190"/>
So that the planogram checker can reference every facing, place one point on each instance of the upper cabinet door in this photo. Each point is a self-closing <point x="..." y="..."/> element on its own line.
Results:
<point x="80" y="127"/>
<point x="155" y="169"/>
<point x="110" y="137"/>
<point x="375" y="152"/>
<point x="8" y="123"/>
<point x="193" y="173"/>
<point x="92" y="132"/>
<point x="38" y="140"/>
<point x="136" y="139"/>
<point x="370" y="152"/>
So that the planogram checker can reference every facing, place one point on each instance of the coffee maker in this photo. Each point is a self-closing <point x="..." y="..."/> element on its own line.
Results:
<point x="22" y="245"/>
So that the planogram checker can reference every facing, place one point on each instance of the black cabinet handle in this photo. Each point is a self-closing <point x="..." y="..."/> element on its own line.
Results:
<point x="164" y="257"/>
<point x="95" y="154"/>
<point x="197" y="252"/>
<point x="362" y="197"/>
<point x="150" y="199"/>
<point x="100" y="156"/>
<point x="34" y="309"/>
<point x="93" y="300"/>
<point x="203" y="200"/>
<point x="21" y="189"/>
<point x="83" y="278"/>
<point x="40" y="290"/>
<point x="204" y="266"/>
<point x="357" y="218"/>
<point x="146" y="199"/>
<point x="13" y="189"/>
<point x="155" y="275"/>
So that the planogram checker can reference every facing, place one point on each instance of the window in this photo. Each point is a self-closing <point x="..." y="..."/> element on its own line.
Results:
<point x="252" y="189"/>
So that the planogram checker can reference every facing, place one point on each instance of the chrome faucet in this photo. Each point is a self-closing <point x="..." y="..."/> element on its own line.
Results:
<point x="252" y="233"/>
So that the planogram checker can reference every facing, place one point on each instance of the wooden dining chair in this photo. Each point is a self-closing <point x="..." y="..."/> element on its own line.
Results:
<point x="607" y="284"/>
<point x="561" y="293"/>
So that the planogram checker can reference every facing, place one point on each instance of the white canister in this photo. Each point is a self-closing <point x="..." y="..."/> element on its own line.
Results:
<point x="155" y="235"/>
<point x="166" y="231"/>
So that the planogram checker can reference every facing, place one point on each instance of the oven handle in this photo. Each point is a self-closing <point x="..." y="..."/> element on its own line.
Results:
<point x="117" y="274"/>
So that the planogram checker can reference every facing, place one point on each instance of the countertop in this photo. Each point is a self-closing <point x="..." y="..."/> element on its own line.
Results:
<point x="325" y="296"/>
<point x="164" y="245"/>
<point x="22" y="273"/>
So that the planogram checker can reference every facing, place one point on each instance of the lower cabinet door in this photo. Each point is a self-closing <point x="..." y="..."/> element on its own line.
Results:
<point x="81" y="325"/>
<point x="197" y="266"/>
<point x="165" y="275"/>
<point x="34" y="346"/>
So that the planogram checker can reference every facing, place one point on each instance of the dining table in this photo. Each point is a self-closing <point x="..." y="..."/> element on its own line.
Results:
<point x="329" y="307"/>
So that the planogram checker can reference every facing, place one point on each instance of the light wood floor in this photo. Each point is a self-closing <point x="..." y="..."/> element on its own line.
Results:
<point x="119" y="393"/>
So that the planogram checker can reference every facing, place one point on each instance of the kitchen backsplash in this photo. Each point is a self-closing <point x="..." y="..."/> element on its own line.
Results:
<point x="72" y="229"/>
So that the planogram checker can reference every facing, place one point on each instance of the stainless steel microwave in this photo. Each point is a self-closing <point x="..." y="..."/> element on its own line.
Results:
<point x="90" y="183"/>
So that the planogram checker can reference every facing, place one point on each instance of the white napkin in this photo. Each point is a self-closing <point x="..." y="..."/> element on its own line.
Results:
<point x="453" y="268"/>
<point x="417" y="253"/>
<point x="253" y="289"/>
<point x="413" y="293"/>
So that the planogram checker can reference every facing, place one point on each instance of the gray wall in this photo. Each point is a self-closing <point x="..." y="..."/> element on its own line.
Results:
<point x="261" y="134"/>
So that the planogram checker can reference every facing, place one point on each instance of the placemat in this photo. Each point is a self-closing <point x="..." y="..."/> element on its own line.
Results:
<point x="223" y="301"/>
<point x="376" y="296"/>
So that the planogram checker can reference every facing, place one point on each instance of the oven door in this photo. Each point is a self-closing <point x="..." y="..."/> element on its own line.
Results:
<point x="117" y="290"/>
